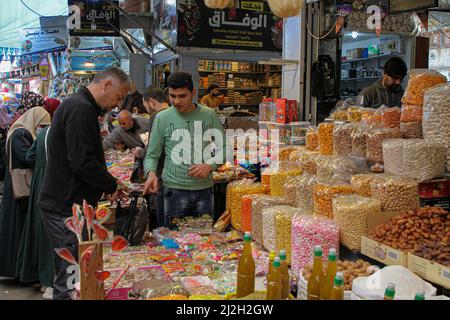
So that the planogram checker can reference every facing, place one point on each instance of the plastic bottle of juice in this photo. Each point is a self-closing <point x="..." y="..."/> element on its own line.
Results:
<point x="389" y="294"/>
<point x="337" y="291"/>
<point x="274" y="285"/>
<point x="246" y="269"/>
<point x="316" y="276"/>
<point x="328" y="279"/>
<point x="285" y="280"/>
<point x="271" y="260"/>
<point x="420" y="295"/>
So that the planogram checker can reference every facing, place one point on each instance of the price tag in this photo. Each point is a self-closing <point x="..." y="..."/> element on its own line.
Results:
<point x="393" y="255"/>
<point x="445" y="274"/>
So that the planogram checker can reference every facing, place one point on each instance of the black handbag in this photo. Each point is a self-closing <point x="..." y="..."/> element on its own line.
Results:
<point x="137" y="175"/>
<point x="131" y="222"/>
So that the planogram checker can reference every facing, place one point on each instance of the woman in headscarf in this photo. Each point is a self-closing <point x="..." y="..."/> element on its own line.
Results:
<point x="36" y="257"/>
<point x="20" y="138"/>
<point x="29" y="101"/>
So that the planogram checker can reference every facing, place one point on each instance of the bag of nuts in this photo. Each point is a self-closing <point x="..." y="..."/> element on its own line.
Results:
<point x="411" y="130"/>
<point x="342" y="138"/>
<point x="312" y="139"/>
<point x="323" y="196"/>
<point x="350" y="212"/>
<point x="304" y="191"/>
<point x="396" y="193"/>
<point x="326" y="138"/>
<point x="361" y="182"/>
<point x="278" y="177"/>
<point x="359" y="141"/>
<point x="269" y="215"/>
<point x="390" y="118"/>
<point x="375" y="138"/>
<point x="335" y="168"/>
<point x="414" y="158"/>
<point x="436" y="117"/>
<point x="259" y="202"/>
<point x="419" y="81"/>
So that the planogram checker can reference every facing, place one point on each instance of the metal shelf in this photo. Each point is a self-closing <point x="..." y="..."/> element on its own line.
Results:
<point x="372" y="58"/>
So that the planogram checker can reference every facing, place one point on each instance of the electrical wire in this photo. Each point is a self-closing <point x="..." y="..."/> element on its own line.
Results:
<point x="323" y="37"/>
<point x="26" y="6"/>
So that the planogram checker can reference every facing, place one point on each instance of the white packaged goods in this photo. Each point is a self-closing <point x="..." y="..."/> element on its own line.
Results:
<point x="268" y="225"/>
<point x="407" y="284"/>
<point x="436" y="117"/>
<point x="415" y="158"/>
<point x="258" y="204"/>
<point x="351" y="213"/>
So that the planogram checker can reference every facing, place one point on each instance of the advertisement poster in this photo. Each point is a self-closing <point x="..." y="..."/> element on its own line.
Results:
<point x="92" y="62"/>
<point x="91" y="43"/>
<point x="248" y="25"/>
<point x="165" y="23"/>
<point x="98" y="18"/>
<point x="42" y="40"/>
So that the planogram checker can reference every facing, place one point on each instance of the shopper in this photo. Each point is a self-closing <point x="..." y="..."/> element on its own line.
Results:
<point x="13" y="211"/>
<point x="4" y="124"/>
<point x="388" y="90"/>
<point x="133" y="100"/>
<point x="36" y="257"/>
<point x="211" y="99"/>
<point x="129" y="132"/>
<point x="76" y="168"/>
<point x="188" y="184"/>
<point x="155" y="101"/>
<point x="29" y="100"/>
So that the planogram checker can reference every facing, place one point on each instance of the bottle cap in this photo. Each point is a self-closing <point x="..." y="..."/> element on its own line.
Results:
<point x="420" y="295"/>
<point x="390" y="290"/>
<point x="282" y="254"/>
<point x="276" y="262"/>
<point x="272" y="255"/>
<point x="332" y="255"/>
<point x="317" y="251"/>
<point x="339" y="279"/>
<point x="248" y="236"/>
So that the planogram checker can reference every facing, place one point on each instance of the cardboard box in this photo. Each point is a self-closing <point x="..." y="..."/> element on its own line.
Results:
<point x="379" y="251"/>
<point x="429" y="270"/>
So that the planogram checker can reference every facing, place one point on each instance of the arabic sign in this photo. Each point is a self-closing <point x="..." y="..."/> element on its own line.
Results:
<point x="397" y="6"/>
<point x="91" y="43"/>
<point x="42" y="40"/>
<point x="248" y="25"/>
<point x="98" y="18"/>
<point x="82" y="61"/>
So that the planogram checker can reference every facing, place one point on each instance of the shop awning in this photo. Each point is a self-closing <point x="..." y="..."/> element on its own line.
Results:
<point x="18" y="14"/>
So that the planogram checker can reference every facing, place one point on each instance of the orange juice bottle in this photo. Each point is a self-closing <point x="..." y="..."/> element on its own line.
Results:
<point x="389" y="294"/>
<point x="246" y="269"/>
<point x="337" y="291"/>
<point x="274" y="285"/>
<point x="328" y="279"/>
<point x="285" y="279"/>
<point x="316" y="276"/>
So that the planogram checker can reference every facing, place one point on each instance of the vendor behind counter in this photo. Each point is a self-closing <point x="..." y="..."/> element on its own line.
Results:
<point x="388" y="90"/>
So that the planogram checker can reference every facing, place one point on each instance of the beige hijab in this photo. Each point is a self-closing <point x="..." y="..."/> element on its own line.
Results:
<point x="30" y="120"/>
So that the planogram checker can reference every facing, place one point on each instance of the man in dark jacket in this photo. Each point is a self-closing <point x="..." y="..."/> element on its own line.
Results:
<point x="134" y="100"/>
<point x="76" y="168"/>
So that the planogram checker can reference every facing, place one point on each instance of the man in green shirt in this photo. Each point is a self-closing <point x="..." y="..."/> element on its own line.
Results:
<point x="193" y="140"/>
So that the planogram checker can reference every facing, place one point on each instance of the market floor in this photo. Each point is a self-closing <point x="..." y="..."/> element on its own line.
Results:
<point x="11" y="289"/>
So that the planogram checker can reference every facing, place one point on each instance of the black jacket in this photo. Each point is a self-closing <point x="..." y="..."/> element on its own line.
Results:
<point x="76" y="168"/>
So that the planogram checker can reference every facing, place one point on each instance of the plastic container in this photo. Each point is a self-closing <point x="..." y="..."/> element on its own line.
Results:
<point x="259" y="202"/>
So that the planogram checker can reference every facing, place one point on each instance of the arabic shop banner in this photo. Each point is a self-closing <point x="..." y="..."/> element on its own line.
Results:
<point x="91" y="43"/>
<point x="248" y="25"/>
<point x="92" y="62"/>
<point x="98" y="18"/>
<point x="42" y="40"/>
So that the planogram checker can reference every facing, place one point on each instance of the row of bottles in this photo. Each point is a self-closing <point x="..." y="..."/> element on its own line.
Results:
<point x="278" y="281"/>
<point x="328" y="285"/>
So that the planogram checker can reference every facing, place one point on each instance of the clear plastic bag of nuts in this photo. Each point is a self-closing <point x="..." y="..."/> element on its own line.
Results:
<point x="411" y="113"/>
<point x="307" y="161"/>
<point x="390" y="118"/>
<point x="342" y="138"/>
<point x="359" y="141"/>
<point x="291" y="186"/>
<point x="375" y="138"/>
<point x="350" y="213"/>
<point x="411" y="130"/>
<point x="312" y="139"/>
<point x="419" y="81"/>
<point x="283" y="227"/>
<point x="269" y="215"/>
<point x="396" y="193"/>
<point x="436" y="117"/>
<point x="414" y="158"/>
<point x="323" y="195"/>
<point x="259" y="202"/>
<point x="361" y="182"/>
<point x="237" y="190"/>
<point x="278" y="177"/>
<point x="326" y="138"/>
<point x="335" y="168"/>
<point x="304" y="192"/>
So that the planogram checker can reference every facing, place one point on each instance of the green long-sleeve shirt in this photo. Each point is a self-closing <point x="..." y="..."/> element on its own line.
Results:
<point x="186" y="140"/>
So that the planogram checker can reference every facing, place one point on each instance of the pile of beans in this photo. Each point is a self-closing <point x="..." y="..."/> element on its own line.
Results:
<point x="351" y="213"/>
<point x="323" y="196"/>
<point x="308" y="232"/>
<point x="396" y="194"/>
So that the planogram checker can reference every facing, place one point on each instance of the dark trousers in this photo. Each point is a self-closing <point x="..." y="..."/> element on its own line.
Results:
<point x="61" y="237"/>
<point x="182" y="203"/>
